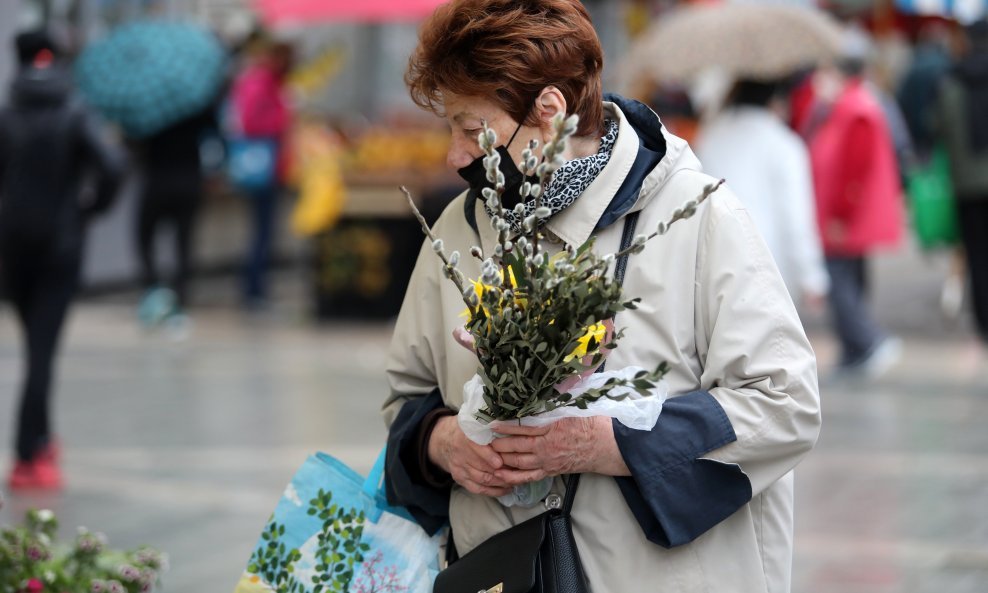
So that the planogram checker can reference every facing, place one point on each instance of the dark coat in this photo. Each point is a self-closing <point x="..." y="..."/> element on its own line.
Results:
<point x="56" y="168"/>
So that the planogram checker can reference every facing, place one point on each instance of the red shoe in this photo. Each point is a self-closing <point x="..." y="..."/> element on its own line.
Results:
<point x="22" y="476"/>
<point x="42" y="473"/>
<point x="47" y="474"/>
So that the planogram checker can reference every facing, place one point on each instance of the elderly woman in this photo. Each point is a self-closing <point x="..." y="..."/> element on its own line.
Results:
<point x="702" y="502"/>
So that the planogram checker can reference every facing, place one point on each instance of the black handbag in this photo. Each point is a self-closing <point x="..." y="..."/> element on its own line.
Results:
<point x="536" y="556"/>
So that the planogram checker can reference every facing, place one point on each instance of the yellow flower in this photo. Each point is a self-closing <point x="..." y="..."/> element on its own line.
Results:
<point x="480" y="288"/>
<point x="596" y="331"/>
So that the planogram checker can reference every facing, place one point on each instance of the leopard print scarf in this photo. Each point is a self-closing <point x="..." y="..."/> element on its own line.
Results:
<point x="569" y="181"/>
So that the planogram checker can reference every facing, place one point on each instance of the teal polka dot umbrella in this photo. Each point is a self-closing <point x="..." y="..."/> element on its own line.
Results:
<point x="148" y="75"/>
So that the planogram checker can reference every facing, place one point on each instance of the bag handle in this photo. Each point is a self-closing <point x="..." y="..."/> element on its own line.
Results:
<point x="572" y="482"/>
<point x="372" y="484"/>
<point x="627" y="235"/>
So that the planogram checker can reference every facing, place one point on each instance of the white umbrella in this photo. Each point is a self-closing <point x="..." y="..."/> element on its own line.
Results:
<point x="743" y="40"/>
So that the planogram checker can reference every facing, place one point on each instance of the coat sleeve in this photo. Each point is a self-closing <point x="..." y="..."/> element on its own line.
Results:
<point x="406" y="483"/>
<point x="757" y="362"/>
<point x="414" y="393"/>
<point x="674" y="493"/>
<point x="757" y="412"/>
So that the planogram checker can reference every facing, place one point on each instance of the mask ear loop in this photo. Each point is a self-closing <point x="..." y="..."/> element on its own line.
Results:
<point x="512" y="139"/>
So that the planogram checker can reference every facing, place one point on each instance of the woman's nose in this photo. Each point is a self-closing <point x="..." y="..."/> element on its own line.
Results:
<point x="458" y="155"/>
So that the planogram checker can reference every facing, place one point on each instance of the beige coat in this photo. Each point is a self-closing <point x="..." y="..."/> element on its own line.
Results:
<point x="714" y="306"/>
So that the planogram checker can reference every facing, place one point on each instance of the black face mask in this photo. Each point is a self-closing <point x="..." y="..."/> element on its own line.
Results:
<point x="476" y="175"/>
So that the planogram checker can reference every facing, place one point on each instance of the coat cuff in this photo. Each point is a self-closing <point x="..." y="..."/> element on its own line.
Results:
<point x="674" y="494"/>
<point x="405" y="482"/>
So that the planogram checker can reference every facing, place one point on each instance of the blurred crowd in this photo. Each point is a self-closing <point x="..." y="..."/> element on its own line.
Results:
<point x="834" y="163"/>
<point x="60" y="168"/>
<point x="855" y="156"/>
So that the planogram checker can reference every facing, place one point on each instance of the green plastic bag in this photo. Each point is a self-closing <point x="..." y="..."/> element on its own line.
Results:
<point x="931" y="201"/>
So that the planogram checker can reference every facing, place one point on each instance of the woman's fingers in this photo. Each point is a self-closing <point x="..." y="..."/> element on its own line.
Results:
<point x="472" y="466"/>
<point x="480" y="480"/>
<point x="514" y="444"/>
<point x="513" y="428"/>
<point x="521" y="461"/>
<point x="517" y="477"/>
<point x="565" y="446"/>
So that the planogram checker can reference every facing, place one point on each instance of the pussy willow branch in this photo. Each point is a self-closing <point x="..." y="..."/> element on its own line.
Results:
<point x="442" y="255"/>
<point x="487" y="140"/>
<point x="490" y="151"/>
<point x="680" y="214"/>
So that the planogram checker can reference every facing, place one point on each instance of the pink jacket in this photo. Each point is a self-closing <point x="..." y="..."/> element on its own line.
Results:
<point x="259" y="104"/>
<point x="855" y="176"/>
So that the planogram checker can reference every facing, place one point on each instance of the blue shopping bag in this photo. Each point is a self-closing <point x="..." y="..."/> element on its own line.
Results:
<point x="252" y="163"/>
<point x="334" y="532"/>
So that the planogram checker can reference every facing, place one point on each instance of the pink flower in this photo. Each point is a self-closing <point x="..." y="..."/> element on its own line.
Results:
<point x="35" y="554"/>
<point x="465" y="339"/>
<point x="34" y="586"/>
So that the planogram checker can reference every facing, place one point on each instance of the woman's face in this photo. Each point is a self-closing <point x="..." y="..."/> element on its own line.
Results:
<point x="466" y="117"/>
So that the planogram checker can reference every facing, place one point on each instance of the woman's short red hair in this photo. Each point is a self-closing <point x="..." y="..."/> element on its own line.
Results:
<point x="508" y="51"/>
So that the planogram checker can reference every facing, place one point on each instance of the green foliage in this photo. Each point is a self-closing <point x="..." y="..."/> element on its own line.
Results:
<point x="526" y="337"/>
<point x="32" y="561"/>
<point x="338" y="552"/>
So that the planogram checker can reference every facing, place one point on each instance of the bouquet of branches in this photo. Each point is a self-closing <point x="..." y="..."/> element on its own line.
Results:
<point x="542" y="324"/>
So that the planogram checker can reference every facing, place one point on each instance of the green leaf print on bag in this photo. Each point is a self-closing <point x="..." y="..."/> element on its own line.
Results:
<point x="338" y="551"/>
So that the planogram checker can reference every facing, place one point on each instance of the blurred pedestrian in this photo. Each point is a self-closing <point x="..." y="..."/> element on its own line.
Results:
<point x="171" y="195"/>
<point x="917" y="93"/>
<point x="963" y="121"/>
<point x="260" y="112"/>
<point x="859" y="206"/>
<point x="768" y="166"/>
<point x="49" y="146"/>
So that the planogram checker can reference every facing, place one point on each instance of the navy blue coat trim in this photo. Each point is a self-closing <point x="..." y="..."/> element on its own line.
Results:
<point x="651" y="150"/>
<point x="403" y="481"/>
<point x="675" y="495"/>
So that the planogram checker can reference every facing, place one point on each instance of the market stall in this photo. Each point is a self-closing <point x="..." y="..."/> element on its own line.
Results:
<point x="362" y="263"/>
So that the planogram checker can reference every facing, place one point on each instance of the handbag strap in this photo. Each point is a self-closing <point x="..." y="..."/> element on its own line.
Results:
<point x="627" y="235"/>
<point x="572" y="482"/>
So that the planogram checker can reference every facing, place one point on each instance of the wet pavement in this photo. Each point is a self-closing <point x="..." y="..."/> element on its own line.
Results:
<point x="187" y="444"/>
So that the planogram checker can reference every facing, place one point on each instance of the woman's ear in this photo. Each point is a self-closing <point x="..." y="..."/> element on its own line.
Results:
<point x="549" y="104"/>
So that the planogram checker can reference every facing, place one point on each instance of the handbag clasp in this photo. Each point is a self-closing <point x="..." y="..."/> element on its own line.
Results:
<point x="498" y="588"/>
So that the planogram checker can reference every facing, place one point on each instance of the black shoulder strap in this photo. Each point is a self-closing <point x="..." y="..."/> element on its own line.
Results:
<point x="630" y="222"/>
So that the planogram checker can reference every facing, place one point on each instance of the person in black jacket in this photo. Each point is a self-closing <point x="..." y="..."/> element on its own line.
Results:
<point x="51" y="153"/>
<point x="171" y="196"/>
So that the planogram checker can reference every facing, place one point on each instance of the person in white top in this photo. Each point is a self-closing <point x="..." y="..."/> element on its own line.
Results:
<point x="768" y="167"/>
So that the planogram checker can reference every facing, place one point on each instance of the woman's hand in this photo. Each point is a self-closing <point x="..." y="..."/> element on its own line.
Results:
<point x="472" y="466"/>
<point x="567" y="446"/>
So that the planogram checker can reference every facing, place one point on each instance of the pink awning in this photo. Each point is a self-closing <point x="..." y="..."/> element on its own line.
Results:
<point x="285" y="12"/>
